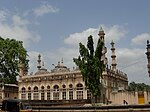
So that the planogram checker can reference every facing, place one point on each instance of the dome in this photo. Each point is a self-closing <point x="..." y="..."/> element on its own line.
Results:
<point x="42" y="71"/>
<point x="60" y="68"/>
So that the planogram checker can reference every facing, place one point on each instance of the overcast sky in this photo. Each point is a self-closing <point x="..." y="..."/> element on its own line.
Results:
<point x="54" y="28"/>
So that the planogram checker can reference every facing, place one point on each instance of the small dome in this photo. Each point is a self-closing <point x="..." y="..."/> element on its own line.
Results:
<point x="60" y="68"/>
<point x="42" y="71"/>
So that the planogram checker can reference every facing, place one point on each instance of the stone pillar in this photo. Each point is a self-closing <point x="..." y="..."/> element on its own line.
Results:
<point x="32" y="95"/>
<point x="40" y="95"/>
<point x="84" y="93"/>
<point x="45" y="95"/>
<point x="74" y="94"/>
<point x="60" y="95"/>
<point x="51" y="94"/>
<point x="67" y="94"/>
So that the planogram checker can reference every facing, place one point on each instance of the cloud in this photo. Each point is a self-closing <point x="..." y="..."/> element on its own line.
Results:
<point x="75" y="38"/>
<point x="17" y="27"/>
<point x="115" y="33"/>
<point x="18" y="21"/>
<point x="68" y="53"/>
<point x="126" y="56"/>
<point x="129" y="60"/>
<point x="33" y="56"/>
<point x="140" y="39"/>
<point x="45" y="9"/>
<point x="52" y="57"/>
<point x="3" y="15"/>
<point x="133" y="62"/>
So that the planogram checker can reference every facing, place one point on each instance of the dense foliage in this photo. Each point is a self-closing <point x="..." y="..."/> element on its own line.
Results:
<point x="11" y="53"/>
<point x="138" y="87"/>
<point x="90" y="65"/>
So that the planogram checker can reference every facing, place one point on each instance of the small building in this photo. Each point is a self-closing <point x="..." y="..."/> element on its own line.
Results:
<point x="8" y="91"/>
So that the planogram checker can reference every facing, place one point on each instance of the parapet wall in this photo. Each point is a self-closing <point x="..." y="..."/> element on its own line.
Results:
<point x="131" y="98"/>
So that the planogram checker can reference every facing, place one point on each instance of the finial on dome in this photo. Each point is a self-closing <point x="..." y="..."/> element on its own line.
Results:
<point x="147" y="42"/>
<point x="62" y="61"/>
<point x="58" y="63"/>
<point x="112" y="43"/>
<point x="39" y="56"/>
<point x="101" y="32"/>
<point x="101" y="29"/>
<point x="39" y="62"/>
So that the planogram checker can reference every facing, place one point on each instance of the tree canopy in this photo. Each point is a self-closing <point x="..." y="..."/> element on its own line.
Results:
<point x="138" y="87"/>
<point x="12" y="52"/>
<point x="91" y="66"/>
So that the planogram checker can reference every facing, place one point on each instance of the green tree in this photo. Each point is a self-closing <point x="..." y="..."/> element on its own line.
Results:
<point x="91" y="65"/>
<point x="138" y="87"/>
<point x="11" y="53"/>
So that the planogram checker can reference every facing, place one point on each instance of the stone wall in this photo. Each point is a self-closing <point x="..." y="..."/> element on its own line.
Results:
<point x="130" y="98"/>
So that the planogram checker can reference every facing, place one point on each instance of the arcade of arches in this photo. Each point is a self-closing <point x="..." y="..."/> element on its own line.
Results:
<point x="56" y="92"/>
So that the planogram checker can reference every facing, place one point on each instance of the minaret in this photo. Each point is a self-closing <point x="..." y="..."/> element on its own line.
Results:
<point x="21" y="70"/>
<point x="148" y="56"/>
<point x="113" y="56"/>
<point x="104" y="51"/>
<point x="39" y="62"/>
<point x="104" y="59"/>
<point x="101" y="34"/>
<point x="62" y="61"/>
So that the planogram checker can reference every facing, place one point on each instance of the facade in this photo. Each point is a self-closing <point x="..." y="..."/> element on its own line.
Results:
<point x="61" y="83"/>
<point x="148" y="56"/>
<point x="8" y="91"/>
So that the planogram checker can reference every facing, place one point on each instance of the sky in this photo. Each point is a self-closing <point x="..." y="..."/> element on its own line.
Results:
<point x="54" y="28"/>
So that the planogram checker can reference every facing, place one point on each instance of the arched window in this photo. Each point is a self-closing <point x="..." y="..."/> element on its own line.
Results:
<point x="36" y="93"/>
<point x="23" y="93"/>
<point x="56" y="92"/>
<point x="29" y="93"/>
<point x="48" y="93"/>
<point x="88" y="94"/>
<point x="42" y="93"/>
<point x="79" y="91"/>
<point x="64" y="92"/>
<point x="70" y="92"/>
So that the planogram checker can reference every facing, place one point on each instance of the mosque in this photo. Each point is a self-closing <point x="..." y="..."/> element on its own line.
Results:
<point x="63" y="84"/>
